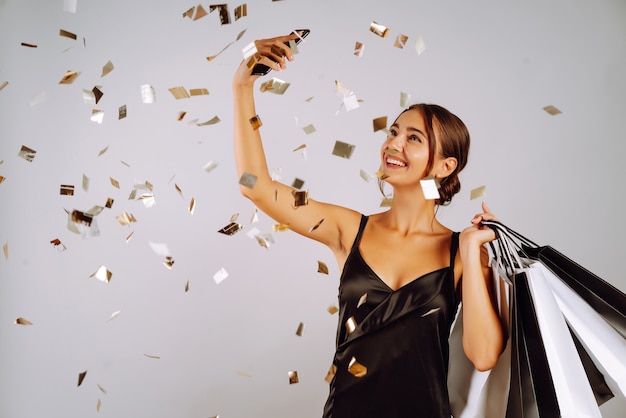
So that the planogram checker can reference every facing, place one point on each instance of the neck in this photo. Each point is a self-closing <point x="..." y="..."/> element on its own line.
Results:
<point x="410" y="212"/>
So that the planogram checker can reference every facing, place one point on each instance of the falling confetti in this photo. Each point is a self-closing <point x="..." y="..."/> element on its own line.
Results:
<point x="359" y="49"/>
<point x="22" y="321"/>
<point x="192" y="205"/>
<point x="405" y="99"/>
<point x="220" y="276"/>
<point x="107" y="68"/>
<point x="102" y="274"/>
<point x="332" y="309"/>
<point x="309" y="129"/>
<point x="69" y="77"/>
<point x="420" y="46"/>
<point x="343" y="149"/>
<point x="214" y="120"/>
<point x="152" y="356"/>
<point x="255" y="122"/>
<point x="179" y="93"/>
<point x="478" y="192"/>
<point x="81" y="377"/>
<point x="27" y="153"/>
<point x="430" y="188"/>
<point x="147" y="94"/>
<point x="317" y="225"/>
<point x="400" y="41"/>
<point x="293" y="377"/>
<point x="58" y="245"/>
<point x="379" y="29"/>
<point x="67" y="34"/>
<point x="356" y="368"/>
<point x="210" y="166"/>
<point x="322" y="267"/>
<point x="300" y="330"/>
<point x="380" y="123"/>
<point x="362" y="300"/>
<point x="112" y="317"/>
<point x="248" y="180"/>
<point x="330" y="375"/>
<point x="300" y="198"/>
<point x="67" y="190"/>
<point x="551" y="110"/>
<point x="275" y="86"/>
<point x="351" y="325"/>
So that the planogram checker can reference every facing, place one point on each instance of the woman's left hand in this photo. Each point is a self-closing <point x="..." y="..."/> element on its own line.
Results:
<point x="477" y="233"/>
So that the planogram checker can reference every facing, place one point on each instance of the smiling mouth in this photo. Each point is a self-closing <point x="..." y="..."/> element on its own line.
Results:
<point x="395" y="162"/>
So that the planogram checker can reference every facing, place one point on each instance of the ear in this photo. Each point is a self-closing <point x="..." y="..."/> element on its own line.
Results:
<point x="445" y="167"/>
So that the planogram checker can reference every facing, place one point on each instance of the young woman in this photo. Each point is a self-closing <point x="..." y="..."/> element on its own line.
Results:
<point x="401" y="269"/>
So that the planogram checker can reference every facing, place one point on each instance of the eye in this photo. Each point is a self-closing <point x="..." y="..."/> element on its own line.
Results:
<point x="393" y="132"/>
<point x="415" y="138"/>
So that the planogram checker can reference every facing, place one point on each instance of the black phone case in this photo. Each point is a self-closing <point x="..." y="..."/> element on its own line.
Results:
<point x="262" y="69"/>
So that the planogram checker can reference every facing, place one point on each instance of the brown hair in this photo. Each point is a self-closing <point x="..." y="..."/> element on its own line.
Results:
<point x="454" y="141"/>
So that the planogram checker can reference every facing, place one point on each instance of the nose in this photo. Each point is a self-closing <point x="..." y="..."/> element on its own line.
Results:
<point x="396" y="142"/>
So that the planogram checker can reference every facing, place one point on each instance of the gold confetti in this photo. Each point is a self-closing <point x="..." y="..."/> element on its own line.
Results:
<point x="69" y="77"/>
<point x="234" y="217"/>
<point x="81" y="377"/>
<point x="381" y="175"/>
<point x="300" y="198"/>
<point x="97" y="115"/>
<point x="300" y="329"/>
<point x="67" y="34"/>
<point x="220" y="276"/>
<point x="366" y="176"/>
<point x="147" y="94"/>
<point x="179" y="93"/>
<point x="187" y="286"/>
<point x="192" y="205"/>
<point x="58" y="245"/>
<point x="248" y="180"/>
<point x="28" y="45"/>
<point x="275" y="86"/>
<point x="152" y="356"/>
<point x="107" y="68"/>
<point x="2" y="178"/>
<point x="102" y="274"/>
<point x="97" y="93"/>
<point x="359" y="48"/>
<point x="198" y="92"/>
<point x="231" y="229"/>
<point x="255" y="122"/>
<point x="430" y="188"/>
<point x="322" y="267"/>
<point x="332" y="309"/>
<point x="400" y="41"/>
<point x="380" y="123"/>
<point x="82" y="218"/>
<point x="22" y="321"/>
<point x="214" y="120"/>
<point x="112" y="317"/>
<point x="362" y="300"/>
<point x="379" y="29"/>
<point x="552" y="110"/>
<point x="189" y="12"/>
<point x="343" y="149"/>
<point x="5" y="249"/>
<point x="27" y="153"/>
<point x="386" y="202"/>
<point x="67" y="190"/>
<point x="293" y="377"/>
<point x="317" y="225"/>
<point x="478" y="192"/>
<point x="420" y="46"/>
<point x="38" y="98"/>
<point x="280" y="227"/>
<point x="223" y="12"/>
<point x="121" y="112"/>
<point x="356" y="368"/>
<point x="101" y="389"/>
<point x="126" y="218"/>
<point x="300" y="148"/>
<point x="265" y="240"/>
<point x="3" y="84"/>
<point x="98" y="405"/>
<point x="129" y="236"/>
<point x="255" y="216"/>
<point x="210" y="166"/>
<point x="297" y="183"/>
<point x="241" y="11"/>
<point x="109" y="203"/>
<point x="169" y="262"/>
<point x="405" y="98"/>
<point x="114" y="182"/>
<point x="243" y="374"/>
<point x="309" y="129"/>
<point x="330" y="375"/>
<point x="351" y="324"/>
<point x="85" y="183"/>
<point x="200" y="12"/>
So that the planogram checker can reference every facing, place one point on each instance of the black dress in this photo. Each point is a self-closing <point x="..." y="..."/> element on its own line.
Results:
<point x="400" y="336"/>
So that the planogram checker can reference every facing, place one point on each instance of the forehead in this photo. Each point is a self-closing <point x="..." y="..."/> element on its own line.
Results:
<point x="413" y="118"/>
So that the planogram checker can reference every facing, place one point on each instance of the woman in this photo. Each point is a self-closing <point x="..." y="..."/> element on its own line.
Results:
<point x="401" y="272"/>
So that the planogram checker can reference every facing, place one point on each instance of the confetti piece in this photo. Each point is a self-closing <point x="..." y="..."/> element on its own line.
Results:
<point x="126" y="218"/>
<point x="275" y="86"/>
<point x="405" y="98"/>
<point x="400" y="41"/>
<point x="85" y="183"/>
<point x="243" y="374"/>
<point x="309" y="129"/>
<point x="129" y="236"/>
<point x="478" y="192"/>
<point x="356" y="368"/>
<point x="70" y="6"/>
<point x="343" y="149"/>
<point x="380" y="123"/>
<point x="249" y="51"/>
<point x="255" y="216"/>
<point x="359" y="49"/>
<point x="255" y="122"/>
<point x="114" y="182"/>
<point x="160" y="248"/>
<point x="223" y="12"/>
<point x="179" y="93"/>
<point x="293" y="377"/>
<point x="69" y="77"/>
<point x="241" y="11"/>
<point x="322" y="267"/>
<point x="67" y="34"/>
<point x="98" y="405"/>
<point x="280" y="227"/>
<point x="248" y="180"/>
<point x="169" y="262"/>
<point x="58" y="245"/>
<point x="28" y="45"/>
<point x="2" y="178"/>
<point x="81" y="377"/>
<point x="192" y="205"/>
<point x="362" y="300"/>
<point x="420" y="46"/>
<point x="112" y="317"/>
<point x="189" y="12"/>
<point x="332" y="309"/>
<point x="366" y="176"/>
<point x="297" y="183"/>
<point x="300" y="330"/>
<point x="198" y="92"/>
<point x="234" y="217"/>
<point x="5" y="249"/>
<point x="152" y="356"/>
<point x="317" y="225"/>
<point x="97" y="116"/>
<point x="379" y="29"/>
<point x="386" y="202"/>
<point x="351" y="324"/>
<point x="300" y="198"/>
<point x="551" y="110"/>
<point x="67" y="190"/>
<point x="330" y="375"/>
<point x="101" y="389"/>
<point x="147" y="94"/>
<point x="430" y="188"/>
<point x="214" y="120"/>
<point x="107" y="68"/>
<point x="109" y="203"/>
<point x="200" y="12"/>
<point x="3" y="84"/>
<point x="27" y="153"/>
<point x="102" y="274"/>
<point x="265" y="240"/>
<point x="38" y="98"/>
<point x="22" y="321"/>
<point x="187" y="286"/>
<point x="381" y="175"/>
<point x="210" y="166"/>
<point x="97" y="93"/>
<point x="220" y="276"/>
<point x="121" y="112"/>
<point x="231" y="229"/>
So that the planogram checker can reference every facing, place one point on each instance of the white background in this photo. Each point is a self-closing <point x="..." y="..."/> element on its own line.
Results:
<point x="227" y="348"/>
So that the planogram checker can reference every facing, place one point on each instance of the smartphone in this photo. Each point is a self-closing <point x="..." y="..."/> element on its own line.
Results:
<point x="262" y="69"/>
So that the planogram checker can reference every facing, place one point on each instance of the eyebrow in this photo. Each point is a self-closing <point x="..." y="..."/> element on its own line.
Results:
<point x="410" y="129"/>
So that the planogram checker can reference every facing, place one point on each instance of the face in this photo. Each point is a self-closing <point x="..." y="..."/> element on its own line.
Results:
<point x="405" y="152"/>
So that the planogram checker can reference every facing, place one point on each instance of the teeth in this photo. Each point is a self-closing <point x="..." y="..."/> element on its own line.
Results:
<point x="395" y="162"/>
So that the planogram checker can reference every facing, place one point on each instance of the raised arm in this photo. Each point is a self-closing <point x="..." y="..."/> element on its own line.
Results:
<point x="483" y="337"/>
<point x="322" y="222"/>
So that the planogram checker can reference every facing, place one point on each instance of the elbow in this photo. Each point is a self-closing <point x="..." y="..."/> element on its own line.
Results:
<point x="485" y="363"/>
<point x="484" y="358"/>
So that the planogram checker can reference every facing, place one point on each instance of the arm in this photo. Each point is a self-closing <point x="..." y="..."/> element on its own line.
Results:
<point x="483" y="338"/>
<point x="274" y="198"/>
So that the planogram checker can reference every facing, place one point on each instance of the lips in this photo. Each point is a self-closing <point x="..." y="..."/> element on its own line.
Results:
<point x="391" y="161"/>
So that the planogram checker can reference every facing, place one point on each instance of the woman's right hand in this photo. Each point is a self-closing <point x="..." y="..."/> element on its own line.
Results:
<point x="273" y="52"/>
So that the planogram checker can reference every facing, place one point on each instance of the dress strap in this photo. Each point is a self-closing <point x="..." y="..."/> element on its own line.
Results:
<point x="357" y="239"/>
<point x="454" y="246"/>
